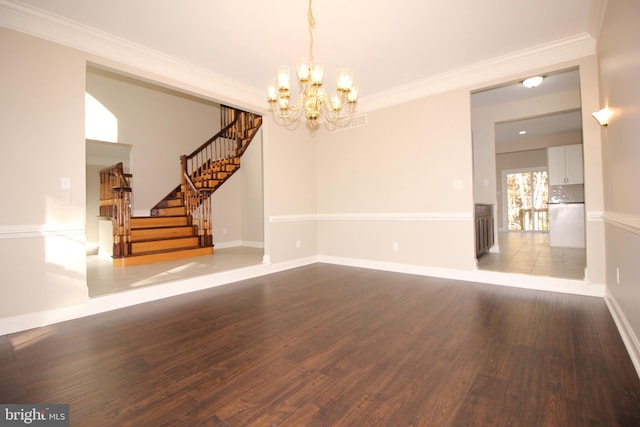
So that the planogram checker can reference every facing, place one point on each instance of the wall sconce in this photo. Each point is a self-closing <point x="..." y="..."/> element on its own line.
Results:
<point x="602" y="116"/>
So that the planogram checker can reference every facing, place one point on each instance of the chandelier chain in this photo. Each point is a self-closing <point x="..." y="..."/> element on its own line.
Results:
<point x="312" y="24"/>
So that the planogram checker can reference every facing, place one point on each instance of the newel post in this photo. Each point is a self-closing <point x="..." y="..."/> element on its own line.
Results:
<point x="121" y="221"/>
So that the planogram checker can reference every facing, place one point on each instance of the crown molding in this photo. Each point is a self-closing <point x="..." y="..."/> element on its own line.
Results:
<point x="597" y="13"/>
<point x="41" y="24"/>
<point x="544" y="55"/>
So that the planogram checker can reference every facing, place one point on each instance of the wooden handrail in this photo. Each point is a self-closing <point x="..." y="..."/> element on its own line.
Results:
<point x="197" y="202"/>
<point x="209" y="165"/>
<point x="210" y="140"/>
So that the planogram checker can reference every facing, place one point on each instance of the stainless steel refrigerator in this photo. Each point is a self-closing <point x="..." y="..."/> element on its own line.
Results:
<point x="566" y="216"/>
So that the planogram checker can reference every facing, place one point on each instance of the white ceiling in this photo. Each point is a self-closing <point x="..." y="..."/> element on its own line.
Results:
<point x="535" y="127"/>
<point x="388" y="44"/>
<point x="391" y="46"/>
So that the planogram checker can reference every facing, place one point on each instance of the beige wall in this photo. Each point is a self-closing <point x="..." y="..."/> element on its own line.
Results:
<point x="404" y="178"/>
<point x="289" y="192"/>
<point x="619" y="54"/>
<point x="392" y="181"/>
<point x="42" y="245"/>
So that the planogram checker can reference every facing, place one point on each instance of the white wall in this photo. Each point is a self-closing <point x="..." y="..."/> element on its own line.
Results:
<point x="619" y="57"/>
<point x="92" y="210"/>
<point x="159" y="124"/>
<point x="252" y="212"/>
<point x="238" y="204"/>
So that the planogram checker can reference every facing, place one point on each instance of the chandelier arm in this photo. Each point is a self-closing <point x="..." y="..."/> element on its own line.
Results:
<point x="328" y="113"/>
<point x="332" y="115"/>
<point x="313" y="99"/>
<point x="291" y="113"/>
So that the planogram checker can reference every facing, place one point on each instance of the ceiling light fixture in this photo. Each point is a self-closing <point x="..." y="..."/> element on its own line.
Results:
<point x="532" y="82"/>
<point x="313" y="99"/>
<point x="602" y="116"/>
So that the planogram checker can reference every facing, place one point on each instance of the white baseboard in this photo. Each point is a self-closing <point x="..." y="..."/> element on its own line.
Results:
<point x="236" y="243"/>
<point x="141" y="295"/>
<point x="629" y="338"/>
<point x="541" y="283"/>
<point x="153" y="293"/>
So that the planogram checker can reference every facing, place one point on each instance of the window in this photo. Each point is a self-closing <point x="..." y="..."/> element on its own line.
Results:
<point x="527" y="199"/>
<point x="100" y="123"/>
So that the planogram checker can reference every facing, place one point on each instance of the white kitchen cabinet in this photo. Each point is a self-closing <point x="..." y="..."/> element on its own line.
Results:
<point x="565" y="165"/>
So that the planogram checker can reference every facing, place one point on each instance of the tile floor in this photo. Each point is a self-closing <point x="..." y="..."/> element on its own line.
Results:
<point x="530" y="253"/>
<point x="103" y="278"/>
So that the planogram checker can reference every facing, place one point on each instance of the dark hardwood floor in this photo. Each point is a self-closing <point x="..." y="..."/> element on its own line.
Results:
<point x="327" y="345"/>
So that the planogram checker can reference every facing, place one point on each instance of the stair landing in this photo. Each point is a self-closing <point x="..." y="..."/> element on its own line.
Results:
<point x="161" y="255"/>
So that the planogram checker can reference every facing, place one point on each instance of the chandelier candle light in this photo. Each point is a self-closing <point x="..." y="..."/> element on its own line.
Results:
<point x="313" y="99"/>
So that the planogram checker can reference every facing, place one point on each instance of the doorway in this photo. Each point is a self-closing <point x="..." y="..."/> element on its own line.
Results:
<point x="512" y="128"/>
<point x="155" y="125"/>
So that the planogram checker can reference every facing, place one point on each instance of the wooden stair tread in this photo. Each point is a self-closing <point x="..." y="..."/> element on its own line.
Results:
<point x="156" y="218"/>
<point x="155" y="239"/>
<point x="161" y="227"/>
<point x="160" y="251"/>
<point x="152" y="227"/>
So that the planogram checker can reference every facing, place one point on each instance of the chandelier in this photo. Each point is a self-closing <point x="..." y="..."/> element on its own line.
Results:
<point x="313" y="99"/>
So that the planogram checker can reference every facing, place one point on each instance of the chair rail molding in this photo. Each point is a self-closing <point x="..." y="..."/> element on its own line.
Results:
<point x="395" y="216"/>
<point x="627" y="222"/>
<point x="40" y="230"/>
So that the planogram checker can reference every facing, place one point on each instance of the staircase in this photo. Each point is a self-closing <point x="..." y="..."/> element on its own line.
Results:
<point x="180" y="224"/>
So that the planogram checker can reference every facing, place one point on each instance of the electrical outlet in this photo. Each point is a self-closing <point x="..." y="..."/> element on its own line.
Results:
<point x="298" y="244"/>
<point x="395" y="247"/>
<point x="618" y="275"/>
